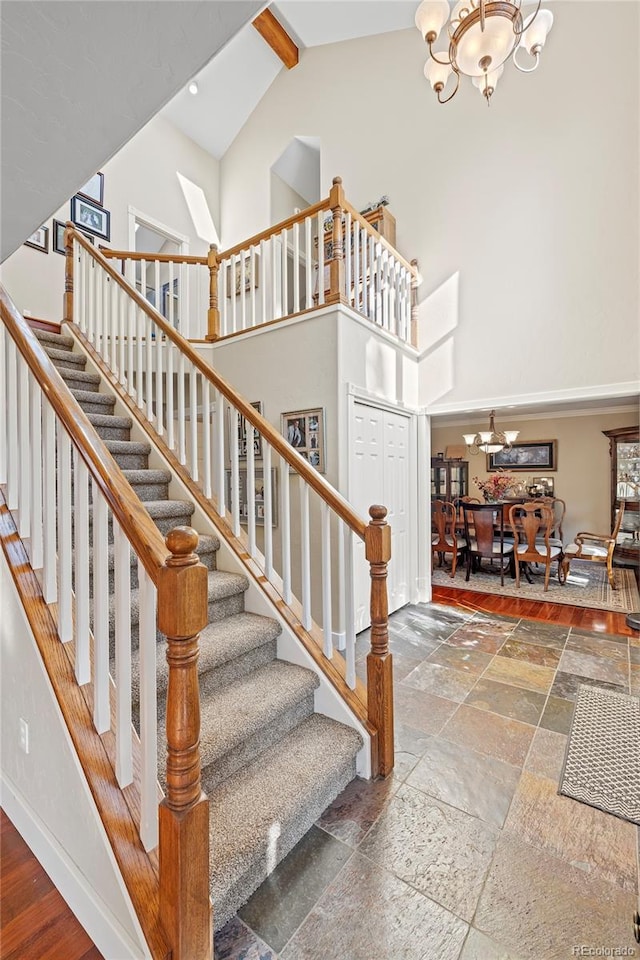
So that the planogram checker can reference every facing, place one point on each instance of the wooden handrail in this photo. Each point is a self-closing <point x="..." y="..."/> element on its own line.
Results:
<point x="275" y="229"/>
<point x="111" y="254"/>
<point x="144" y="536"/>
<point x="315" y="480"/>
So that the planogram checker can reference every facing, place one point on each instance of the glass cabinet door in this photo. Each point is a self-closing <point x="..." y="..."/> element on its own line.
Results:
<point x="438" y="481"/>
<point x="458" y="481"/>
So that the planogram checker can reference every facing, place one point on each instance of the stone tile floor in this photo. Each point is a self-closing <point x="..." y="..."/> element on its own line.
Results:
<point x="467" y="852"/>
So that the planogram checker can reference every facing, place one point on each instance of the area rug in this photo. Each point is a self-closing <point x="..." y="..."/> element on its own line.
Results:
<point x="602" y="764"/>
<point x="587" y="586"/>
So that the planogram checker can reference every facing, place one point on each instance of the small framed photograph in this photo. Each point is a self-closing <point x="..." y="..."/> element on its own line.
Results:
<point x="241" y="433"/>
<point x="250" y="276"/>
<point x="91" y="218"/>
<point x="57" y="239"/>
<point x="304" y="429"/>
<point x="94" y="189"/>
<point x="259" y="496"/>
<point x="525" y="456"/>
<point x="39" y="240"/>
<point x="545" y="484"/>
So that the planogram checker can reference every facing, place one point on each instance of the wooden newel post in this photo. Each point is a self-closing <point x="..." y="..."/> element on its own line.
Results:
<point x="67" y="307"/>
<point x="185" y="910"/>
<point x="415" y="280"/>
<point x="336" y="263"/>
<point x="213" y="315"/>
<point x="377" y="544"/>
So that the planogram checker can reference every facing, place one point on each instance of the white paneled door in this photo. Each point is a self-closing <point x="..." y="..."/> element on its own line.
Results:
<point x="379" y="473"/>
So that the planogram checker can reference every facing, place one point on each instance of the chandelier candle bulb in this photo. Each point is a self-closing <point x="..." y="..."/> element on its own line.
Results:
<point x="491" y="440"/>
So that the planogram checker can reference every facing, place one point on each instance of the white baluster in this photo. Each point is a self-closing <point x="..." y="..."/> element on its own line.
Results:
<point x="182" y="440"/>
<point x="170" y="296"/>
<point x="296" y="269"/>
<point x="140" y="322"/>
<point x="285" y="530"/>
<point x="365" y="276"/>
<point x="305" y="554"/>
<point x="234" y="297"/>
<point x="24" y="490"/>
<point x="13" y="450"/>
<point x="347" y="257"/>
<point x="251" y="488"/>
<point x="112" y="324"/>
<point x="50" y="577"/>
<point x="159" y="400"/>
<point x="341" y="591"/>
<point x="243" y="289"/>
<point x="77" y="282"/>
<point x="156" y="284"/>
<point x="81" y="559"/>
<point x="65" y="549"/>
<point x="101" y="716"/>
<point x="222" y="299"/>
<point x="170" y="413"/>
<point x="235" y="479"/>
<point x="357" y="268"/>
<point x="148" y="380"/>
<point x="384" y="269"/>
<point x="268" y="509"/>
<point x="183" y="320"/>
<point x="350" y="620"/>
<point x="326" y="580"/>
<point x="36" y="471"/>
<point x="206" y="436"/>
<point x="285" y="273"/>
<point x="122" y="600"/>
<point x="121" y="306"/>
<point x="219" y="444"/>
<point x="252" y="280"/>
<point x="274" y="280"/>
<point x="308" y="273"/>
<point x="148" y="718"/>
<point x="131" y="333"/>
<point x="193" y="421"/>
<point x="320" y="258"/>
<point x="263" y="284"/>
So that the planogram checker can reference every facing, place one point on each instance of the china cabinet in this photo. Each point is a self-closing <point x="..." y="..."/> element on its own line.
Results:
<point x="624" y="449"/>
<point x="449" y="479"/>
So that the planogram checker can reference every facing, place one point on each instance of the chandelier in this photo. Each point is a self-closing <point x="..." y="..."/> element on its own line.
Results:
<point x="483" y="34"/>
<point x="491" y="440"/>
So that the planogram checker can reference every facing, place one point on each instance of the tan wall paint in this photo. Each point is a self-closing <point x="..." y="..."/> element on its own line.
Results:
<point x="141" y="175"/>
<point x="583" y="475"/>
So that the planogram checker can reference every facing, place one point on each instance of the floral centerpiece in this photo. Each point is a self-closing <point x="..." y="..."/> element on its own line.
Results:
<point x="494" y="487"/>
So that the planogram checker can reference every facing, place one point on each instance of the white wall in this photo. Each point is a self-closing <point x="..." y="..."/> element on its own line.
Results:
<point x="142" y="175"/>
<point x="46" y="795"/>
<point x="533" y="203"/>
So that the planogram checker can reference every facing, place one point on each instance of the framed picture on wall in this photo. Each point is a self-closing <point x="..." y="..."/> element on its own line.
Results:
<point x="39" y="240"/>
<point x="94" y="219"/>
<point x="94" y="189"/>
<point x="57" y="239"/>
<point x="304" y="429"/>
<point x="241" y="433"/>
<point x="526" y="456"/>
<point x="258" y="493"/>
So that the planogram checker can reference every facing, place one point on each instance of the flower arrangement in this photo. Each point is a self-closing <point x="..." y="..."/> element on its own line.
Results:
<point x="495" y="486"/>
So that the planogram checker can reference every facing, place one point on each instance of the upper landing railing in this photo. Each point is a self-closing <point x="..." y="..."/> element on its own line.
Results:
<point x="283" y="272"/>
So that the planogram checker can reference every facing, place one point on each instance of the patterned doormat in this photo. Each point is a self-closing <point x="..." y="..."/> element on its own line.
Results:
<point x="586" y="586"/>
<point x="602" y="763"/>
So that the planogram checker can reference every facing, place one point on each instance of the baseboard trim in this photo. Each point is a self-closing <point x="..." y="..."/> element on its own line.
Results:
<point x="103" y="928"/>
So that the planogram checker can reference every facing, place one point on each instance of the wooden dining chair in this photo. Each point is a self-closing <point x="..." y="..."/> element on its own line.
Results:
<point x="596" y="547"/>
<point x="559" y="508"/>
<point x="444" y="538"/>
<point x="532" y="524"/>
<point x="484" y="536"/>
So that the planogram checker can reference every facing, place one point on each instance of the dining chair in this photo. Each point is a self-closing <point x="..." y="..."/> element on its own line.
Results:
<point x="532" y="525"/>
<point x="458" y="504"/>
<point x="559" y="508"/>
<point x="484" y="536"/>
<point x="596" y="547"/>
<point x="443" y="533"/>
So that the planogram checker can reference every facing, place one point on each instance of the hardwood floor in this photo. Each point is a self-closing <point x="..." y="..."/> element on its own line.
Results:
<point x="600" y="621"/>
<point x="35" y="922"/>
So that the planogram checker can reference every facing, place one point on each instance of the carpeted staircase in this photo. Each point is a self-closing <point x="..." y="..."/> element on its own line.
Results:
<point x="270" y="764"/>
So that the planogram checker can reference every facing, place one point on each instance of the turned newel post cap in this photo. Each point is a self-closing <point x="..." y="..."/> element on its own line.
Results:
<point x="377" y="512"/>
<point x="337" y="181"/>
<point x="213" y="247"/>
<point x="181" y="542"/>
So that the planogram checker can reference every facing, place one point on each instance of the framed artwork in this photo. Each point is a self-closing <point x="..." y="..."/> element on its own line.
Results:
<point x="527" y="456"/>
<point x="544" y="483"/>
<point x="94" y="189"/>
<point x="304" y="429"/>
<point x="57" y="240"/>
<point x="241" y="433"/>
<point x="258" y="492"/>
<point x="250" y="277"/>
<point x="39" y="240"/>
<point x="90" y="217"/>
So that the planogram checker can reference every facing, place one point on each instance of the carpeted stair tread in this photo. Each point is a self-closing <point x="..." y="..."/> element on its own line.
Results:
<point x="65" y="357"/>
<point x="221" y="585"/>
<point x="128" y="446"/>
<point x="61" y="341"/>
<point x="206" y="546"/>
<point x="242" y="709"/>
<point x="109" y="420"/>
<point x="147" y="476"/>
<point x="92" y="380"/>
<point x="259" y="814"/>
<point x="94" y="399"/>
<point x="233" y="637"/>
<point x="168" y="509"/>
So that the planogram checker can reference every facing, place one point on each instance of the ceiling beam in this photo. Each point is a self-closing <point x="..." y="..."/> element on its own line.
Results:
<point x="272" y="31"/>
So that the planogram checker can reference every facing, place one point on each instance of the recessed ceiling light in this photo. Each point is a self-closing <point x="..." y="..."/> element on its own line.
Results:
<point x="193" y="87"/>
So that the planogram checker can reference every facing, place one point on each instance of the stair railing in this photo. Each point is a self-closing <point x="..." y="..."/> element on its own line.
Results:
<point x="282" y="272"/>
<point x="67" y="493"/>
<point x="207" y="429"/>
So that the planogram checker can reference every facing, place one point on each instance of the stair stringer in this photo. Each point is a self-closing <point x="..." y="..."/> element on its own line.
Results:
<point x="327" y="700"/>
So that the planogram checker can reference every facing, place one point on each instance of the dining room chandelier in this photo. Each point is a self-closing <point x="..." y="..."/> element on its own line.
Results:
<point x="491" y="440"/>
<point x="483" y="34"/>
